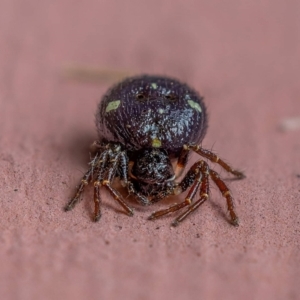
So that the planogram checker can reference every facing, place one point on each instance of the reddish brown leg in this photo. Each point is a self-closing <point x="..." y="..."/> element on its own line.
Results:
<point x="214" y="158"/>
<point x="204" y="190"/>
<point x="105" y="165"/>
<point x="101" y="168"/>
<point x="84" y="182"/>
<point x="98" y="166"/>
<point x="139" y="197"/>
<point x="181" y="162"/>
<point x="118" y="198"/>
<point x="187" y="201"/>
<point x="226" y="193"/>
<point x="97" y="201"/>
<point x="194" y="179"/>
<point x="119" y="160"/>
<point x="108" y="171"/>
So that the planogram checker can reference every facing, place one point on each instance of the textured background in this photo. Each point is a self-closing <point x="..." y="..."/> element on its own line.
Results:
<point x="242" y="56"/>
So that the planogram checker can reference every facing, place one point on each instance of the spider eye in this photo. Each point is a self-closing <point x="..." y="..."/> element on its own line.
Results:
<point x="171" y="97"/>
<point x="140" y="96"/>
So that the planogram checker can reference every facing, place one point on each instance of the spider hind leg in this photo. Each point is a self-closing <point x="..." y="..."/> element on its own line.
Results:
<point x="216" y="159"/>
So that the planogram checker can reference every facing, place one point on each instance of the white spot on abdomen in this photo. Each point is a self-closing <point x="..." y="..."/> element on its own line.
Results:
<point x="194" y="105"/>
<point x="112" y="105"/>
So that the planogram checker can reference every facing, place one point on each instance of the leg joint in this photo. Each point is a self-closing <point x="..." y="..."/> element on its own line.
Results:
<point x="97" y="183"/>
<point x="226" y="193"/>
<point x="188" y="201"/>
<point x="106" y="182"/>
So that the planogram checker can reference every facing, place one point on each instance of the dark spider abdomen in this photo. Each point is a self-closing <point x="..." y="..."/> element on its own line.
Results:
<point x="152" y="112"/>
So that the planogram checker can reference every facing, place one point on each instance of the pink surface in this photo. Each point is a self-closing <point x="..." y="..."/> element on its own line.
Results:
<point x="243" y="57"/>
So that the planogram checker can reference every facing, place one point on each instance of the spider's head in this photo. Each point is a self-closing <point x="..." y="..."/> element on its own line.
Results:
<point x="152" y="166"/>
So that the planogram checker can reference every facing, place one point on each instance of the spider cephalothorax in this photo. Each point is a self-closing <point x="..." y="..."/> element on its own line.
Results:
<point x="144" y="123"/>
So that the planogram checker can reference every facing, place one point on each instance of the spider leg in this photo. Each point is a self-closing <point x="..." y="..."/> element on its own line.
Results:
<point x="84" y="182"/>
<point x="116" y="195"/>
<point x="138" y="196"/>
<point x="214" y="158"/>
<point x="204" y="190"/>
<point x="132" y="191"/>
<point x="193" y="178"/>
<point x="107" y="162"/>
<point x="106" y="176"/>
<point x="226" y="194"/>
<point x="181" y="162"/>
<point x="101" y="168"/>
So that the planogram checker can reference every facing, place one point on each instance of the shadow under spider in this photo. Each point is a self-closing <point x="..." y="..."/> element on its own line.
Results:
<point x="79" y="148"/>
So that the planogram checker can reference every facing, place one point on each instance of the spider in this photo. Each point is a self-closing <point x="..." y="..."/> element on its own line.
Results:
<point x="144" y="124"/>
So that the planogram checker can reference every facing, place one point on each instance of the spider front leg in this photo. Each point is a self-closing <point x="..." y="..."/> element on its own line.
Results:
<point x="205" y="187"/>
<point x="116" y="160"/>
<point x="84" y="182"/>
<point x="204" y="191"/>
<point x="196" y="177"/>
<point x="108" y="160"/>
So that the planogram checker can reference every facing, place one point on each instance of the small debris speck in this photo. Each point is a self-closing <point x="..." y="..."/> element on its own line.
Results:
<point x="289" y="124"/>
